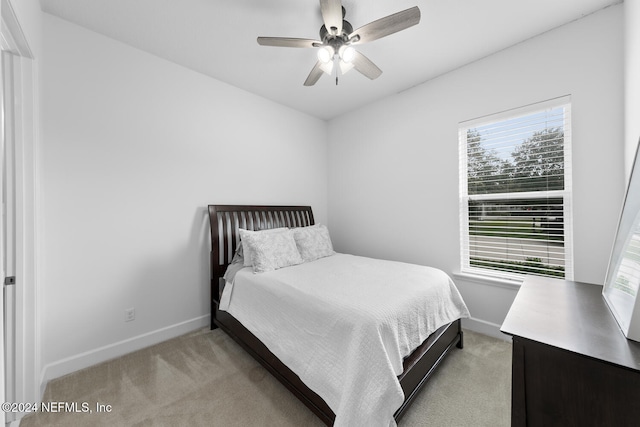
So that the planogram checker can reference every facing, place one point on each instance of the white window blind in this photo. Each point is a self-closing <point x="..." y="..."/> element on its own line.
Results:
<point x="515" y="192"/>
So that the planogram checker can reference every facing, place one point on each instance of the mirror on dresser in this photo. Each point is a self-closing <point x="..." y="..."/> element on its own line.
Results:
<point x="623" y="275"/>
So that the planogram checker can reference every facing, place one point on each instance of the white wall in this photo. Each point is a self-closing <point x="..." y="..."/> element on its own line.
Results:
<point x="135" y="148"/>
<point x="401" y="155"/>
<point x="631" y="81"/>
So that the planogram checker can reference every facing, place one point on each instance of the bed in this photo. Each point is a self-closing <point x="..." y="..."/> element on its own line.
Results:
<point x="226" y="221"/>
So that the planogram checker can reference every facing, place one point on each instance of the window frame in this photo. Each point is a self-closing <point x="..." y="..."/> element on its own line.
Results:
<point x="566" y="193"/>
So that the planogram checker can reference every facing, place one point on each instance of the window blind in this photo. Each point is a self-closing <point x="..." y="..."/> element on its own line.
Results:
<point x="515" y="192"/>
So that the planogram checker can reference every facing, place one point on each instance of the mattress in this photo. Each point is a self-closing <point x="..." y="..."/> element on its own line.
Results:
<point x="344" y="324"/>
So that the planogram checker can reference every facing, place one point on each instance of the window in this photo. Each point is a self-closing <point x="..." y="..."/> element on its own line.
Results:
<point x="515" y="192"/>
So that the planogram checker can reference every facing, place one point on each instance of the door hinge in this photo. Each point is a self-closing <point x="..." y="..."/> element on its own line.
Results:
<point x="11" y="280"/>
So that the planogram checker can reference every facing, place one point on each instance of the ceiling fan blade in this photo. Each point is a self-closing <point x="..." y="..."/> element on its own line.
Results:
<point x="288" y="42"/>
<point x="314" y="75"/>
<point x="365" y="66"/>
<point x="332" y="15"/>
<point x="385" y="26"/>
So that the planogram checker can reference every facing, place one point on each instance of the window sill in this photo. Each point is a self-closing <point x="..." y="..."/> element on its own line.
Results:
<point x="488" y="280"/>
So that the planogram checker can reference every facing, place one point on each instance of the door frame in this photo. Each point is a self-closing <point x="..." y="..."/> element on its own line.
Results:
<point x="27" y="386"/>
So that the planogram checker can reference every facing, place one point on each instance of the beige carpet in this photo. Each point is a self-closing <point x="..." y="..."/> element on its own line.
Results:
<point x="206" y="379"/>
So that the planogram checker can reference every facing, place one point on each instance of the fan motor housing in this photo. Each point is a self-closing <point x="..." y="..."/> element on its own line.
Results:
<point x="326" y="36"/>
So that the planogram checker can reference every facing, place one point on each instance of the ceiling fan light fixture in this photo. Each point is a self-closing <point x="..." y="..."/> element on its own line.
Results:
<point x="347" y="53"/>
<point x="325" y="54"/>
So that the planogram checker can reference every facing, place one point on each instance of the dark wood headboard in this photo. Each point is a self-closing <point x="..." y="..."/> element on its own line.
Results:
<point x="225" y="221"/>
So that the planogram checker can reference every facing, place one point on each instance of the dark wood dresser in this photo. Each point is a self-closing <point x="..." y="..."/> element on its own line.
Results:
<point x="572" y="365"/>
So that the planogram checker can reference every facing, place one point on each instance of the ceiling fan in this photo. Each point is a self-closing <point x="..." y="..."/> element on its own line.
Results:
<point x="337" y="39"/>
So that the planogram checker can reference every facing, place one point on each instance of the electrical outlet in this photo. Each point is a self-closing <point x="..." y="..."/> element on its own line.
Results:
<point x="129" y="314"/>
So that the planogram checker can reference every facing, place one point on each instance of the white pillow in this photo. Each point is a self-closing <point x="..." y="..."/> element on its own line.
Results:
<point x="313" y="242"/>
<point x="271" y="251"/>
<point x="247" y="253"/>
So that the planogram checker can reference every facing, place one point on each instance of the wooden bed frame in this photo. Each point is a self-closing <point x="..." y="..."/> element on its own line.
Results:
<point x="225" y="221"/>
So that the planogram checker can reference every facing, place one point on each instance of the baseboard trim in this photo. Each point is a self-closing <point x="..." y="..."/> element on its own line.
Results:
<point x="111" y="351"/>
<point x="484" y="327"/>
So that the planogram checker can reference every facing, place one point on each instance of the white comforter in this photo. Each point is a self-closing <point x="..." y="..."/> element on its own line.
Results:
<point x="344" y="324"/>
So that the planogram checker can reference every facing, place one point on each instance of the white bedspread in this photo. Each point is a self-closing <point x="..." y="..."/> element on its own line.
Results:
<point x="344" y="324"/>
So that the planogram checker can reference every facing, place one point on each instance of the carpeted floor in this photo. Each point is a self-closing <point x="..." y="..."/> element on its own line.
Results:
<point x="206" y="379"/>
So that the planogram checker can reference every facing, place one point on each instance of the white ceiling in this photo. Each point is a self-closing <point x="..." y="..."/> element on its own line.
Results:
<point x="218" y="38"/>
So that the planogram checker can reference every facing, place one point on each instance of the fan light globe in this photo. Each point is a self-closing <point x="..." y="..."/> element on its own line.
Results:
<point x="347" y="53"/>
<point x="345" y="67"/>
<point x="327" y="67"/>
<point x="325" y="54"/>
